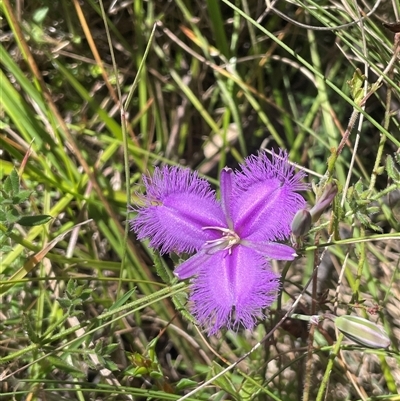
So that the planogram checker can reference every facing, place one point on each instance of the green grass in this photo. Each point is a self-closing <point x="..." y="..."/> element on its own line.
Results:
<point x="93" y="96"/>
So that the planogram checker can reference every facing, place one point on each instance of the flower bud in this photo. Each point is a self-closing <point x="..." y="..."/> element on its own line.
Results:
<point x="301" y="223"/>
<point x="324" y="201"/>
<point x="362" y="331"/>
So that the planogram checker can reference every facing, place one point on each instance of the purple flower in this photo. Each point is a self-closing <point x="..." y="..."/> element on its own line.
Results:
<point x="233" y="239"/>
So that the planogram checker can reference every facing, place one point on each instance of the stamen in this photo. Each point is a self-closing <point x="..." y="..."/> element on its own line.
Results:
<point x="228" y="240"/>
<point x="223" y="229"/>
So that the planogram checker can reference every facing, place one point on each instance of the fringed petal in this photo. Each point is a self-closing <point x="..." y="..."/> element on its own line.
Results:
<point x="177" y="205"/>
<point x="232" y="289"/>
<point x="265" y="197"/>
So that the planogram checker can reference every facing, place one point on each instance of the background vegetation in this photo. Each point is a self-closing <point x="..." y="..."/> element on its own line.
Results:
<point x="95" y="93"/>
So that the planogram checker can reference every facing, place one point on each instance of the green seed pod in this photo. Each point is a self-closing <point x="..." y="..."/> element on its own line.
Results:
<point x="362" y="331"/>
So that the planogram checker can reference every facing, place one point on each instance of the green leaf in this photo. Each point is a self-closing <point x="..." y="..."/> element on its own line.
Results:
<point x="102" y="361"/>
<point x="121" y="301"/>
<point x="151" y="349"/>
<point x="375" y="227"/>
<point x="391" y="170"/>
<point x="86" y="294"/>
<point x="11" y="183"/>
<point x="31" y="221"/>
<point x="3" y="216"/>
<point x="162" y="270"/>
<point x="14" y="181"/>
<point x="156" y="374"/>
<point x="21" y="196"/>
<point x="65" y="367"/>
<point x="79" y="290"/>
<point x="350" y="193"/>
<point x="366" y="221"/>
<point x="40" y="14"/>
<point x="373" y="209"/>
<point x="139" y="371"/>
<point x="98" y="347"/>
<point x="185" y="383"/>
<point x="5" y="248"/>
<point x="224" y="381"/>
<point x="4" y="235"/>
<point x="70" y="290"/>
<point x="6" y="202"/>
<point x="358" y="187"/>
<point x="12" y="216"/>
<point x="65" y="303"/>
<point x="363" y="202"/>
<point x="380" y="170"/>
<point x="111" y="365"/>
<point x="180" y="301"/>
<point x="356" y="86"/>
<point x="250" y="388"/>
<point x="109" y="349"/>
<point x="76" y="301"/>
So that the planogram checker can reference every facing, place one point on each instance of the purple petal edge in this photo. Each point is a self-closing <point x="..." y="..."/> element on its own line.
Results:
<point x="176" y="207"/>
<point x="232" y="290"/>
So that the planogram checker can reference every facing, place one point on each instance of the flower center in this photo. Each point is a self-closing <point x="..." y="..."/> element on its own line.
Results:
<point x="227" y="240"/>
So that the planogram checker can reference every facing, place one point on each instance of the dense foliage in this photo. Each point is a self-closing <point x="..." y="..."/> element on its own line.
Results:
<point x="94" y="94"/>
